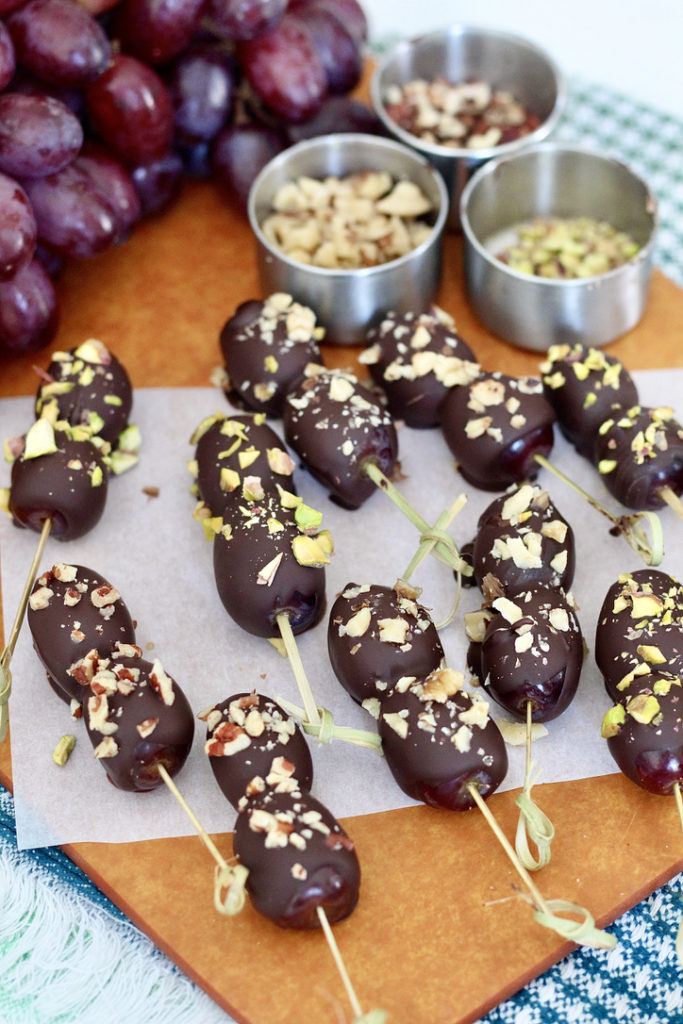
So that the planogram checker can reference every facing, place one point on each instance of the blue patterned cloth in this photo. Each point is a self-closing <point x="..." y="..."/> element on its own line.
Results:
<point x="638" y="982"/>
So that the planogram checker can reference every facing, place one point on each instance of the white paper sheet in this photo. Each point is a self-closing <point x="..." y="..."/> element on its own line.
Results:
<point x="156" y="555"/>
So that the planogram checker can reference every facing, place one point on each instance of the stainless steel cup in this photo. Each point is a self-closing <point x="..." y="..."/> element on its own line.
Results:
<point x="461" y="53"/>
<point x="349" y="302"/>
<point x="563" y="181"/>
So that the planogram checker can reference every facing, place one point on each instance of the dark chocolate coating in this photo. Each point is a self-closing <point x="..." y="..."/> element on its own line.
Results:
<point x="266" y="346"/>
<point x="583" y="385"/>
<point x="230" y="443"/>
<point x="238" y="562"/>
<point x="522" y="539"/>
<point x="299" y="858"/>
<point x="638" y="452"/>
<point x="651" y="753"/>
<point x="494" y="428"/>
<point x="425" y="762"/>
<point x="101" y="387"/>
<point x="335" y="425"/>
<point x="368" y="665"/>
<point x="131" y="759"/>
<point x="252" y="743"/>
<point x="60" y="484"/>
<point x="642" y="609"/>
<point x="66" y="623"/>
<point x="536" y="658"/>
<point x="416" y="359"/>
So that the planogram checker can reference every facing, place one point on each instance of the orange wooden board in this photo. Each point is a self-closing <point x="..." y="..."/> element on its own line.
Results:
<point x="440" y="934"/>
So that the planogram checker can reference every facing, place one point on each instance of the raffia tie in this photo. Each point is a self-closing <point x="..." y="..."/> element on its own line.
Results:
<point x="229" y="887"/>
<point x="534" y="825"/>
<point x="326" y="730"/>
<point x="583" y="932"/>
<point x="372" y="1017"/>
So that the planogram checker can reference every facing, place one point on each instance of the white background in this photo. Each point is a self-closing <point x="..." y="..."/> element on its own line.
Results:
<point x="632" y="46"/>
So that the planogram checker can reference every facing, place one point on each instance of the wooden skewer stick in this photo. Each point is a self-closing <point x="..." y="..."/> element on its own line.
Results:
<point x="651" y="551"/>
<point x="545" y="911"/>
<point x="679" y="802"/>
<point x="288" y="639"/>
<point x="6" y="656"/>
<point x="374" y="1016"/>
<point x="227" y="875"/>
<point x="672" y="500"/>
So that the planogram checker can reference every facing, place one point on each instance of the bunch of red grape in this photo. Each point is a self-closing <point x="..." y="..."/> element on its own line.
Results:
<point x="106" y="105"/>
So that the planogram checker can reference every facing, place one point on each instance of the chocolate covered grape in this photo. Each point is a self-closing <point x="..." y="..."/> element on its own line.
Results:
<point x="56" y="477"/>
<point x="253" y="744"/>
<point x="299" y="858"/>
<point x="137" y="718"/>
<point x="336" y="426"/>
<point x="639" y="630"/>
<point x="521" y="539"/>
<point x="439" y="741"/>
<point x="72" y="612"/>
<point x="644" y="734"/>
<point x="234" y="453"/>
<point x="266" y="347"/>
<point x="639" y="451"/>
<point x="88" y="386"/>
<point x="268" y="560"/>
<point x="583" y="385"/>
<point x="531" y="653"/>
<point x="495" y="427"/>
<point x="377" y="635"/>
<point x="416" y="360"/>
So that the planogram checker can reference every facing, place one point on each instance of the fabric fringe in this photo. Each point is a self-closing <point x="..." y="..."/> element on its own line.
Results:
<point x="63" y="963"/>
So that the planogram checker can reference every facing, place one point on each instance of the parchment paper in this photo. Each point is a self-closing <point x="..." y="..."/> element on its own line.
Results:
<point x="156" y="555"/>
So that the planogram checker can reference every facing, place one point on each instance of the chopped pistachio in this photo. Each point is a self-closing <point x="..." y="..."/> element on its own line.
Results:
<point x="62" y="752"/>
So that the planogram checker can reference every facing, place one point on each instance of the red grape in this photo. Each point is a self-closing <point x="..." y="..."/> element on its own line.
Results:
<point x="158" y="183"/>
<point x="28" y="310"/>
<point x="156" y="30"/>
<point x="130" y="109"/>
<point x="7" y="58"/>
<point x="350" y="14"/>
<point x="336" y="47"/>
<point x="17" y="228"/>
<point x="246" y="19"/>
<point x="202" y="87"/>
<point x="38" y="135"/>
<point x="337" y="114"/>
<point x="59" y="41"/>
<point x="114" y="185"/>
<point x="239" y="153"/>
<point x="284" y="70"/>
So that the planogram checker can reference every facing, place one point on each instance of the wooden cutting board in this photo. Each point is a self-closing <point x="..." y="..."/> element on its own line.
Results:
<point x="440" y="935"/>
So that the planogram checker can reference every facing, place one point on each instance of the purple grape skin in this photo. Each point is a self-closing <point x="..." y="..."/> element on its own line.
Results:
<point x="114" y="185"/>
<point x="155" y="31"/>
<point x="38" y="135"/>
<point x="348" y="12"/>
<point x="18" y="229"/>
<point x="58" y="40"/>
<point x="7" y="58"/>
<point x="239" y="153"/>
<point x="158" y="184"/>
<point x="202" y="86"/>
<point x="337" y="114"/>
<point x="284" y="70"/>
<point x="29" y="314"/>
<point x="72" y="218"/>
<point x="130" y="108"/>
<point x="246" y="19"/>
<point x="336" y="47"/>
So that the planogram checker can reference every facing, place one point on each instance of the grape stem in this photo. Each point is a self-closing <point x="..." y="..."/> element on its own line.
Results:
<point x="546" y="912"/>
<point x="228" y="877"/>
<point x="6" y="656"/>
<point x="651" y="551"/>
<point x="533" y="823"/>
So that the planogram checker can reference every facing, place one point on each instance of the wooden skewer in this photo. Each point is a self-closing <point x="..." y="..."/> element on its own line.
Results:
<point x="6" y="656"/>
<point x="679" y="802"/>
<point x="533" y="823"/>
<point x="583" y="932"/>
<point x="292" y="649"/>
